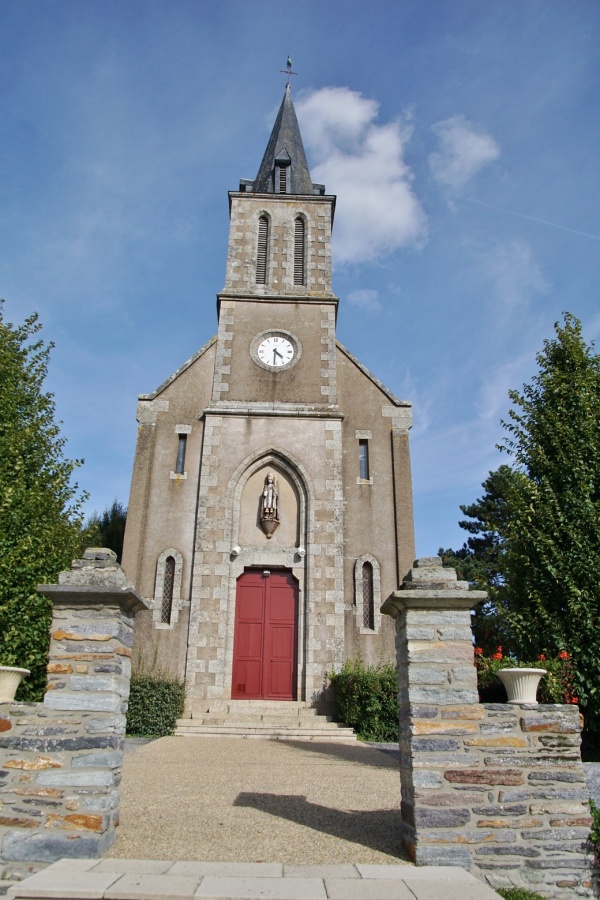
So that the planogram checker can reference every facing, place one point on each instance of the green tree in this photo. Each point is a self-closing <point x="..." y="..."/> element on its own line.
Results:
<point x="40" y="509"/>
<point x="552" y="530"/>
<point x="107" y="529"/>
<point x="481" y="560"/>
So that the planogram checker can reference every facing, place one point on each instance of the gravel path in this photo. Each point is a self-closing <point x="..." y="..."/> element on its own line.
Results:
<point x="227" y="799"/>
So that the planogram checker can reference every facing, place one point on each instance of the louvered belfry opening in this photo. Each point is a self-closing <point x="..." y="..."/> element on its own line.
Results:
<point x="261" y="256"/>
<point x="299" y="241"/>
<point x="282" y="170"/>
<point x="367" y="591"/>
<point x="167" y="597"/>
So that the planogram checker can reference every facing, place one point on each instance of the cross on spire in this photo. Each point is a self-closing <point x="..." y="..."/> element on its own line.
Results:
<point x="288" y="71"/>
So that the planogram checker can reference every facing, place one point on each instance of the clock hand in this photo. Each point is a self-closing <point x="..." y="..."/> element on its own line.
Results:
<point x="276" y="353"/>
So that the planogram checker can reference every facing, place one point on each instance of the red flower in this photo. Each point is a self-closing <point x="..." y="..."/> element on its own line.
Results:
<point x="478" y="651"/>
<point x="574" y="699"/>
<point x="497" y="654"/>
<point x="542" y="657"/>
<point x="563" y="654"/>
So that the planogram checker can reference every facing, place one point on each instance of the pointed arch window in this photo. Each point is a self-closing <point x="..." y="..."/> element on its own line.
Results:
<point x="167" y="588"/>
<point x="261" y="255"/>
<point x="299" y="250"/>
<point x="368" y="612"/>
<point x="168" y="584"/>
<point x="367" y="594"/>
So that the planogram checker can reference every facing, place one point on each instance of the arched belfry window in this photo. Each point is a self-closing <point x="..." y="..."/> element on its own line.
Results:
<point x="367" y="594"/>
<point x="299" y="250"/>
<point x="261" y="254"/>
<point x="167" y="594"/>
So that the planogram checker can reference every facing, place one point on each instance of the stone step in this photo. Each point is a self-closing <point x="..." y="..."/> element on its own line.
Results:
<point x="293" y="707"/>
<point x="272" y="719"/>
<point x="267" y="732"/>
<point x="191" y="724"/>
<point x="269" y="719"/>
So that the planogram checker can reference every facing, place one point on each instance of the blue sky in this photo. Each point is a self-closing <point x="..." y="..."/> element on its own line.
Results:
<point x="466" y="134"/>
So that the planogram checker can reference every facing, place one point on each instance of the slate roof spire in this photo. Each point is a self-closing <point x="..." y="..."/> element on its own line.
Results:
<point x="285" y="151"/>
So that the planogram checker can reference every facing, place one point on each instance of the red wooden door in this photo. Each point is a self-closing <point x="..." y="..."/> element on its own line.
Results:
<point x="264" y="644"/>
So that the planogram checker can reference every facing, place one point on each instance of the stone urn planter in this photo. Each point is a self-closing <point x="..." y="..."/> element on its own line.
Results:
<point x="10" y="679"/>
<point x="521" y="684"/>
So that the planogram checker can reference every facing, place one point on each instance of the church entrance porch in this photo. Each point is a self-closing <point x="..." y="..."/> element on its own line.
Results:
<point x="265" y="636"/>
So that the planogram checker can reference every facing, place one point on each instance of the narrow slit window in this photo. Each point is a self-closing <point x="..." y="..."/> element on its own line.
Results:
<point x="363" y="460"/>
<point x="180" y="463"/>
<point x="167" y="597"/>
<point x="299" y="249"/>
<point x="368" y="609"/>
<point x="261" y="256"/>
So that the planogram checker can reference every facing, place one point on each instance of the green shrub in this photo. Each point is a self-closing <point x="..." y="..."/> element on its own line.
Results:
<point x="366" y="698"/>
<point x="555" y="686"/>
<point x="155" y="704"/>
<point x="518" y="894"/>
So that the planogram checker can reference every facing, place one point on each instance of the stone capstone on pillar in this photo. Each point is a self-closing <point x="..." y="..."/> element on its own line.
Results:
<point x="61" y="759"/>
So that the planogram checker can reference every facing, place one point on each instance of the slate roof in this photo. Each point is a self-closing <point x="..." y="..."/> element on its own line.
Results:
<point x="285" y="141"/>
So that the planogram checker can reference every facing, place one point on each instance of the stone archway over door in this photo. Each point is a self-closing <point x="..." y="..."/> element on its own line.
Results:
<point x="265" y="637"/>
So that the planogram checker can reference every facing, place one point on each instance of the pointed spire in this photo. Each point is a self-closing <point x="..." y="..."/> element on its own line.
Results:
<point x="285" y="151"/>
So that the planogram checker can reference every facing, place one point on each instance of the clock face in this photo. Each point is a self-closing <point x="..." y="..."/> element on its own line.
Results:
<point x="275" y="351"/>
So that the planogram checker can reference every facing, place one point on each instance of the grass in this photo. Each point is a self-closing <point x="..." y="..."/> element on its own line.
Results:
<point x="518" y="894"/>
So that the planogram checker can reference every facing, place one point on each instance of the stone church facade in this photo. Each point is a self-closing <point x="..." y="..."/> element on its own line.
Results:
<point x="270" y="511"/>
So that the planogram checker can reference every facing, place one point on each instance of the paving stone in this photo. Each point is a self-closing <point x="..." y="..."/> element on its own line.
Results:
<point x="367" y="871"/>
<point x="133" y="886"/>
<point x="139" y="866"/>
<point x="71" y="865"/>
<point x="229" y="869"/>
<point x="362" y="889"/>
<point x="259" y="888"/>
<point x="64" y="885"/>
<point x="324" y="871"/>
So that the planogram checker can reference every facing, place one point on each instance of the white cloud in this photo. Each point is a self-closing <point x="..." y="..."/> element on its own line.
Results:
<point x="512" y="273"/>
<point x="365" y="299"/>
<point x="464" y="151"/>
<point x="363" y="163"/>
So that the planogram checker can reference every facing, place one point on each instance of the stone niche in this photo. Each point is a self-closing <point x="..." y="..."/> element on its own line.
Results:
<point x="250" y="531"/>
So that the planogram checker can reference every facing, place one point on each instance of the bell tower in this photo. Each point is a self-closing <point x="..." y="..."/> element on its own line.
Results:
<point x="277" y="292"/>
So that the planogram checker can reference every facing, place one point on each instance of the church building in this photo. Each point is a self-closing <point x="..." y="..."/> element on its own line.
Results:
<point x="270" y="512"/>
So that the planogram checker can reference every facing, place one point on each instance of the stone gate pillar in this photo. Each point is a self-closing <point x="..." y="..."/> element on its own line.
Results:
<point x="495" y="788"/>
<point x="437" y="685"/>
<point x="60" y="760"/>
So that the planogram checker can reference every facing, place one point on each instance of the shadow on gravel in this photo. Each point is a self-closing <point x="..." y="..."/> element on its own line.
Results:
<point x="366" y="754"/>
<point x="376" y="829"/>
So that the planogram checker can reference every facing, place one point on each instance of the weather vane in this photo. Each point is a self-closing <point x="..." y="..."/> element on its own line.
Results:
<point x="288" y="70"/>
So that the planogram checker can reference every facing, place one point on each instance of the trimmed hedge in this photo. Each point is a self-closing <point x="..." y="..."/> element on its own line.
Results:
<point x="155" y="704"/>
<point x="366" y="698"/>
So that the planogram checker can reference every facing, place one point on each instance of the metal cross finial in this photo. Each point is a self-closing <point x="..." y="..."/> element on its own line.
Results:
<point x="288" y="70"/>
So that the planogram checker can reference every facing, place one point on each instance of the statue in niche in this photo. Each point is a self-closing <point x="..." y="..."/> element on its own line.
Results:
<point x="269" y="509"/>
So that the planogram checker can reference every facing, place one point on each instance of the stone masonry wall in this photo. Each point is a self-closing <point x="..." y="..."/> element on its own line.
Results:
<point x="497" y="789"/>
<point x="60" y="760"/>
<point x="500" y="790"/>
